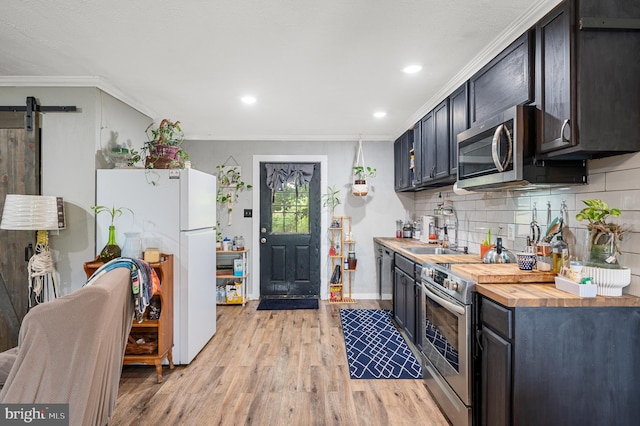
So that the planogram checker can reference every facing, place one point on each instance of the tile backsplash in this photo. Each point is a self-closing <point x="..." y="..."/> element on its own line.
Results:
<point x="616" y="180"/>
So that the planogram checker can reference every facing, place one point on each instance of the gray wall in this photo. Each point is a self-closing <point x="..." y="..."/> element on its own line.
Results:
<point x="373" y="215"/>
<point x="73" y="144"/>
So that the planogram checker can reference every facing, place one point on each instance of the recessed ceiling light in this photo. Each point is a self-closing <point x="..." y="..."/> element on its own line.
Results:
<point x="379" y="114"/>
<point x="411" y="69"/>
<point x="248" y="100"/>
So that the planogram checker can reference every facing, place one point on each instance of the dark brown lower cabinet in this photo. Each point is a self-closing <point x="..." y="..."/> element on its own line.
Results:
<point x="556" y="365"/>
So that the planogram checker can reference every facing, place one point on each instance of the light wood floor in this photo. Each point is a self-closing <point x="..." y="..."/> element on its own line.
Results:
<point x="272" y="368"/>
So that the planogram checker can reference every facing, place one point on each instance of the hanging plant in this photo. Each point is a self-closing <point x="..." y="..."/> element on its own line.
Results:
<point x="230" y="185"/>
<point x="359" y="188"/>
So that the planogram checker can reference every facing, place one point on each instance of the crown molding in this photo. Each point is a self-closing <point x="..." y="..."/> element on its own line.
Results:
<point x="291" y="138"/>
<point x="75" y="81"/>
<point x="514" y="30"/>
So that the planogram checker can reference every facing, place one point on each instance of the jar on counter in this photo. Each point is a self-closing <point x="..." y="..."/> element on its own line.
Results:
<point x="559" y="254"/>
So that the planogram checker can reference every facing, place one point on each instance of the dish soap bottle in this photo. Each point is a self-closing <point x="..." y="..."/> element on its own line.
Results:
<point x="559" y="254"/>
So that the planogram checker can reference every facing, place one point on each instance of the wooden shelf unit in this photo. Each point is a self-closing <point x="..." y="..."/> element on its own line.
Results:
<point x="226" y="277"/>
<point x="337" y="234"/>
<point x="161" y="329"/>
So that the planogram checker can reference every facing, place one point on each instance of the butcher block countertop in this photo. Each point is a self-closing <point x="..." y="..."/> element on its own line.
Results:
<point x="502" y="273"/>
<point x="541" y="295"/>
<point x="506" y="283"/>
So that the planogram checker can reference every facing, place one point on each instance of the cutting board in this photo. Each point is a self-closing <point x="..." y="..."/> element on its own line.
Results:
<point x="505" y="273"/>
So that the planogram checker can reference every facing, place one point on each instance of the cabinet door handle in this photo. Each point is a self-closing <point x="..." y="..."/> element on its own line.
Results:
<point x="494" y="148"/>
<point x="564" y="125"/>
<point x="479" y="339"/>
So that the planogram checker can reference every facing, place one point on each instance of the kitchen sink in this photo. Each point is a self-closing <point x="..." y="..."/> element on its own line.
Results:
<point x="430" y="250"/>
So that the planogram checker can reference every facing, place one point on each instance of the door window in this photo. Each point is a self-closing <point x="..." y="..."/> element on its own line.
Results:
<point x="290" y="210"/>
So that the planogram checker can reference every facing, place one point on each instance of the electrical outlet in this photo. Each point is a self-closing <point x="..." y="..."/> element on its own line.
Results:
<point x="511" y="232"/>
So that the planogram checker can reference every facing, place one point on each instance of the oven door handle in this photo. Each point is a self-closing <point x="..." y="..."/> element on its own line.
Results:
<point x="501" y="166"/>
<point x="452" y="307"/>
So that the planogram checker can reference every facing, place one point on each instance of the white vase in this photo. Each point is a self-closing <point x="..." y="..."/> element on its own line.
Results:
<point x="360" y="188"/>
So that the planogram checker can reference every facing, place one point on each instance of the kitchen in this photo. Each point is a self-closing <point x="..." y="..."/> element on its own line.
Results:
<point x="611" y="178"/>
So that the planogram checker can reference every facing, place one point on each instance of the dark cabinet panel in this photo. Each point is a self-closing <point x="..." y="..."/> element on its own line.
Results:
<point x="405" y="297"/>
<point x="435" y="146"/>
<point x="587" y="79"/>
<point x="399" y="297"/>
<point x="416" y="173"/>
<point x="427" y="148"/>
<point x="459" y="122"/>
<point x="553" y="78"/>
<point x="495" y="373"/>
<point x="401" y="148"/>
<point x="504" y="82"/>
<point x="579" y="364"/>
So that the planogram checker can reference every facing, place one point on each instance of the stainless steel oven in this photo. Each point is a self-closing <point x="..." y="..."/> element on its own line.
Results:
<point x="446" y="346"/>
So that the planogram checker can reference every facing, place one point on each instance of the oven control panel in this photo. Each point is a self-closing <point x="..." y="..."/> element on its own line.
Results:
<point x="440" y="276"/>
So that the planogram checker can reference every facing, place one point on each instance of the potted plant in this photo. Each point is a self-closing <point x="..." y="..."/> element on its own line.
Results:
<point x="604" y="236"/>
<point x="361" y="173"/>
<point x="230" y="185"/>
<point x="163" y="148"/>
<point x="330" y="199"/>
<point x="111" y="250"/>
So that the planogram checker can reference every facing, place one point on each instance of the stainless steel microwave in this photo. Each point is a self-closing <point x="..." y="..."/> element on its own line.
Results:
<point x="499" y="154"/>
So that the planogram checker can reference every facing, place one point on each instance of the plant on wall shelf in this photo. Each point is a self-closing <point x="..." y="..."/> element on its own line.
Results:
<point x="163" y="149"/>
<point x="230" y="185"/>
<point x="330" y="199"/>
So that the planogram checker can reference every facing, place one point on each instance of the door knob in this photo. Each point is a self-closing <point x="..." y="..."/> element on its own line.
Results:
<point x="263" y="240"/>
<point x="263" y="230"/>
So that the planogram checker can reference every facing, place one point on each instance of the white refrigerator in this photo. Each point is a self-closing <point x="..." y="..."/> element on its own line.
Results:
<point x="177" y="208"/>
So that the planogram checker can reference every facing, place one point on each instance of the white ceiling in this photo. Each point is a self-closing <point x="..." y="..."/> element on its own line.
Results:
<point x="318" y="68"/>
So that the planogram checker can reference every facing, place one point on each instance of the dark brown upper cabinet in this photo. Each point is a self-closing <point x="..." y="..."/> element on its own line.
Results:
<point x="587" y="85"/>
<point x="401" y="154"/>
<point x="506" y="81"/>
<point x="459" y="122"/>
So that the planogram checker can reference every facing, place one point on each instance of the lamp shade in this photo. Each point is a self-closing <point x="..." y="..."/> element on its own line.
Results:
<point x="30" y="213"/>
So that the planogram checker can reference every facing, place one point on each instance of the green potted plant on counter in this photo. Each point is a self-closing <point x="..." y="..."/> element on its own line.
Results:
<point x="111" y="250"/>
<point x="604" y="236"/>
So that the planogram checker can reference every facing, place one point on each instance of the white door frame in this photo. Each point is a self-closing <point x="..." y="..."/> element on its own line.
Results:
<point x="324" y="223"/>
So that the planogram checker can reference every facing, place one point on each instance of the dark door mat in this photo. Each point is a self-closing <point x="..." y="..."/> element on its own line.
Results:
<point x="286" y="304"/>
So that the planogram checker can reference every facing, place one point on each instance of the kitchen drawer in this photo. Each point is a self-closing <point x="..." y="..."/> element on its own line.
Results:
<point x="406" y="265"/>
<point x="497" y="317"/>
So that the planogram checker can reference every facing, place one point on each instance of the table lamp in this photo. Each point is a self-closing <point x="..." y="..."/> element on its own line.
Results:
<point x="35" y="213"/>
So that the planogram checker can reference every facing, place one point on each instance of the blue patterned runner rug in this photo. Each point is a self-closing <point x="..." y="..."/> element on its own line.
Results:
<point x="375" y="348"/>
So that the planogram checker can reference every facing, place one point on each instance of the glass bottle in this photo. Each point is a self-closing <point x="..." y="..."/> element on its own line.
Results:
<point x="559" y="254"/>
<point x="112" y="249"/>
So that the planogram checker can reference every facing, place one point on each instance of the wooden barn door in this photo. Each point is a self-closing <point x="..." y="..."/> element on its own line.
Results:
<point x="19" y="174"/>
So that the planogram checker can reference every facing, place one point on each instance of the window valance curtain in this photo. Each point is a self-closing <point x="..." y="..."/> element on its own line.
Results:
<point x="279" y="174"/>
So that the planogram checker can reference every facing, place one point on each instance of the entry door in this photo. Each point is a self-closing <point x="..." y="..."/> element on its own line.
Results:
<point x="290" y="239"/>
<point x="19" y="174"/>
